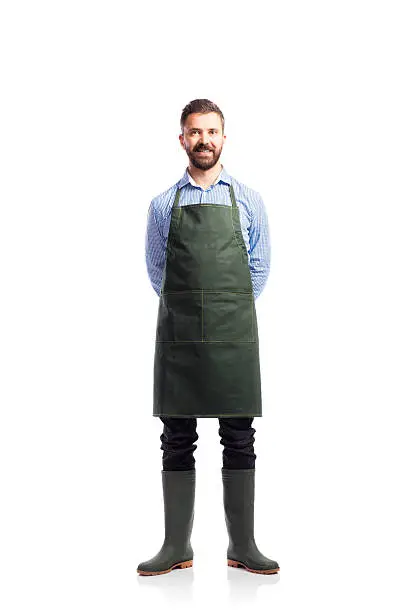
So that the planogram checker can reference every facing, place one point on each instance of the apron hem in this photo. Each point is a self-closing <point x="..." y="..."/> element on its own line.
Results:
<point x="208" y="416"/>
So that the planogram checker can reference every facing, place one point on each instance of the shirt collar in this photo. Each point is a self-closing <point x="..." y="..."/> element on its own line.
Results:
<point x="223" y="177"/>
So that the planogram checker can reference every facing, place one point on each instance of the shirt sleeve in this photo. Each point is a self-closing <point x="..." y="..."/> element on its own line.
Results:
<point x="260" y="250"/>
<point x="155" y="249"/>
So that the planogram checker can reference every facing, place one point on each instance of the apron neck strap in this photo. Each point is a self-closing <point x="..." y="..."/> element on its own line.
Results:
<point x="176" y="202"/>
<point x="232" y="194"/>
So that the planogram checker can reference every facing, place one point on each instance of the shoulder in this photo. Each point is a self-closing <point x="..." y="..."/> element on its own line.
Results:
<point x="247" y="196"/>
<point x="163" y="202"/>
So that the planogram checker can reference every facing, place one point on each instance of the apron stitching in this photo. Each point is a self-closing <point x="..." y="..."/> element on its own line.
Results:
<point x="206" y="291"/>
<point x="202" y="315"/>
<point x="208" y="341"/>
<point x="252" y="315"/>
<point x="232" y="223"/>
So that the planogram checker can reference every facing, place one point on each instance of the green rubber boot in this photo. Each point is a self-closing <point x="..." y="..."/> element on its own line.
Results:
<point x="179" y="499"/>
<point x="238" y="488"/>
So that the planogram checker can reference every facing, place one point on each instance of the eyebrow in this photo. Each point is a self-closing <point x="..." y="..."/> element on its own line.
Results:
<point x="199" y="129"/>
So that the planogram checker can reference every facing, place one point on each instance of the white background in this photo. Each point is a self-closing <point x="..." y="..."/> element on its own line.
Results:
<point x="319" y="103"/>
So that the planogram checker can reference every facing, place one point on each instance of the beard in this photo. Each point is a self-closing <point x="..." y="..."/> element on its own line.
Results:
<point x="204" y="162"/>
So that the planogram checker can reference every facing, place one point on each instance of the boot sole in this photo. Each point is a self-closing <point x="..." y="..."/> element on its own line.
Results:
<point x="182" y="565"/>
<point x="232" y="563"/>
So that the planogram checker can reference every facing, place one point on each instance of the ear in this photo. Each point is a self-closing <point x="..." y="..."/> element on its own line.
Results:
<point x="181" y="140"/>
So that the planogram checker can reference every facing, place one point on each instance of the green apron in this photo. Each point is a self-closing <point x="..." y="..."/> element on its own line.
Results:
<point x="207" y="352"/>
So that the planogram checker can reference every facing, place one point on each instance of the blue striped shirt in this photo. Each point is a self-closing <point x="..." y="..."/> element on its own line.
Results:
<point x="253" y="219"/>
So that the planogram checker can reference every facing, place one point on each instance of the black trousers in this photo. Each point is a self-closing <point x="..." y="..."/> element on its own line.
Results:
<point x="179" y="437"/>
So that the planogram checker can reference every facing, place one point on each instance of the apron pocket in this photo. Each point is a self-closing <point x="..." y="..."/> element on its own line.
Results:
<point x="228" y="316"/>
<point x="180" y="317"/>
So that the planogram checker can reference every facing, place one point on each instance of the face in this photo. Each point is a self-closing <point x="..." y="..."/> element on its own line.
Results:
<point x="203" y="139"/>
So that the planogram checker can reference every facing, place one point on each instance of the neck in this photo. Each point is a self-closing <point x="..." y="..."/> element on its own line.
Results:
<point x="205" y="178"/>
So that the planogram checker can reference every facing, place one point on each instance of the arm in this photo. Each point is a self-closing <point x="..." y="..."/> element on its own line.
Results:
<point x="155" y="250"/>
<point x="259" y="245"/>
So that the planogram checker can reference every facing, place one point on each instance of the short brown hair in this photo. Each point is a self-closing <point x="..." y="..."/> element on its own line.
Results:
<point x="201" y="106"/>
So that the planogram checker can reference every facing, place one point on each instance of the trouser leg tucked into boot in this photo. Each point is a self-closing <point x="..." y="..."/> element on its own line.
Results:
<point x="179" y="499"/>
<point x="238" y="488"/>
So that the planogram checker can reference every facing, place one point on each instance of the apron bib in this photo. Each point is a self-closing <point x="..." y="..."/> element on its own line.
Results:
<point x="207" y="352"/>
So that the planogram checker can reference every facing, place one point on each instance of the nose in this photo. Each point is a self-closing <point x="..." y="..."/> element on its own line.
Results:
<point x="205" y="138"/>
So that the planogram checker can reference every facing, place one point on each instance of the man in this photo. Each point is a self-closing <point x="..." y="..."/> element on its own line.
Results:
<point x="207" y="254"/>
